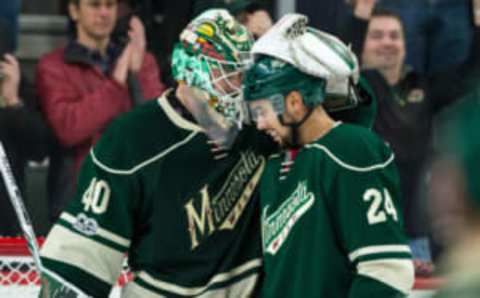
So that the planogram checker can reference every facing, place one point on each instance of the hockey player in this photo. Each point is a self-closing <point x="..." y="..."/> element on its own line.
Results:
<point x="331" y="226"/>
<point x="163" y="187"/>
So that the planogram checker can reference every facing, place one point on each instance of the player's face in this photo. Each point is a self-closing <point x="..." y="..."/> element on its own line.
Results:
<point x="266" y="119"/>
<point x="95" y="19"/>
<point x="227" y="78"/>
<point x="227" y="83"/>
<point x="385" y="44"/>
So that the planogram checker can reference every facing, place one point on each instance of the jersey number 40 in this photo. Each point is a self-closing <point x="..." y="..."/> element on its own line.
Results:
<point x="96" y="197"/>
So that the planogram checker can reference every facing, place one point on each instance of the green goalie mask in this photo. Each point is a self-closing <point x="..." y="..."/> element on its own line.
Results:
<point x="213" y="53"/>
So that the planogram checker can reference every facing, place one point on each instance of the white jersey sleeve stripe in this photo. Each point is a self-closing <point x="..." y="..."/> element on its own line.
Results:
<point x="376" y="249"/>
<point x="110" y="236"/>
<point x="194" y="291"/>
<point x="70" y="248"/>
<point x="145" y="163"/>
<point x="396" y="273"/>
<point x="349" y="166"/>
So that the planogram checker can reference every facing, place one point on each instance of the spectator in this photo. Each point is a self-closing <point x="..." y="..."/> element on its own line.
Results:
<point x="85" y="85"/>
<point x="9" y="11"/>
<point x="438" y="33"/>
<point x="23" y="131"/>
<point x="455" y="198"/>
<point x="407" y="105"/>
<point x="252" y="15"/>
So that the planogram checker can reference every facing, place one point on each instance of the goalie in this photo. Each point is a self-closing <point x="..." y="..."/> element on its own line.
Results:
<point x="165" y="185"/>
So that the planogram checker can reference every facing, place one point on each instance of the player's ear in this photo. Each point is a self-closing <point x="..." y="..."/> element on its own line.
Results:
<point x="294" y="102"/>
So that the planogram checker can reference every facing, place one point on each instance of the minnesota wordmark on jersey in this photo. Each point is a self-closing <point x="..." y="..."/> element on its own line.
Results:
<point x="225" y="208"/>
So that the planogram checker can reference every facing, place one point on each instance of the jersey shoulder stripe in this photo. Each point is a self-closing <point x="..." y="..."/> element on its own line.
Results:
<point x="351" y="167"/>
<point x="354" y="148"/>
<point x="142" y="136"/>
<point x="144" y="163"/>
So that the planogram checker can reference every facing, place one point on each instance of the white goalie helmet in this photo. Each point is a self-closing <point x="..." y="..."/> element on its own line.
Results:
<point x="315" y="53"/>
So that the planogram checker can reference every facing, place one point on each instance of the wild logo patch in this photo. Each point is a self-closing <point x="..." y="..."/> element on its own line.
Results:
<point x="277" y="226"/>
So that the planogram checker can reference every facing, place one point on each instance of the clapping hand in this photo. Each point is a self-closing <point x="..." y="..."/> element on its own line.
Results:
<point x="120" y="71"/>
<point x="137" y="44"/>
<point x="132" y="56"/>
<point x="363" y="8"/>
<point x="10" y="83"/>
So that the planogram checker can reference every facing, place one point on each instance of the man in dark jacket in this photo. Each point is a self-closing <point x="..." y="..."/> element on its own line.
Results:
<point x="407" y="106"/>
<point x="85" y="85"/>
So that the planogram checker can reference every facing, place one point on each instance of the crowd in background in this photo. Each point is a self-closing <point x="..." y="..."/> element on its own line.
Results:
<point x="419" y="57"/>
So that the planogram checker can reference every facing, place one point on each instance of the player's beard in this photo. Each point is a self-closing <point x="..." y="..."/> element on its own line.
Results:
<point x="283" y="138"/>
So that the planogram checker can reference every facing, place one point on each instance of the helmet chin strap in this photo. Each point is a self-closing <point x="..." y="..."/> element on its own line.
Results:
<point x="294" y="142"/>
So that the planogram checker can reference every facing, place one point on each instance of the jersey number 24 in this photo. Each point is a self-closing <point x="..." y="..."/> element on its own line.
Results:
<point x="381" y="206"/>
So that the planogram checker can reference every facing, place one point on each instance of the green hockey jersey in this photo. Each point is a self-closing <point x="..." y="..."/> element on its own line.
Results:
<point x="331" y="223"/>
<point x="183" y="209"/>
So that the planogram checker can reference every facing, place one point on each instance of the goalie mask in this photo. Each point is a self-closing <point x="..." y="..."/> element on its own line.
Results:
<point x="292" y="56"/>
<point x="213" y="53"/>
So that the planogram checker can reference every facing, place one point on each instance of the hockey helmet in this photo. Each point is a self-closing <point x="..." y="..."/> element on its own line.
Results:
<point x="213" y="53"/>
<point x="292" y="56"/>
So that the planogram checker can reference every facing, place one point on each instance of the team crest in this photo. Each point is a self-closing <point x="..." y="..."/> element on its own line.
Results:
<point x="277" y="226"/>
